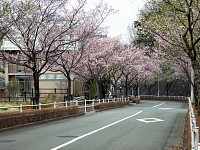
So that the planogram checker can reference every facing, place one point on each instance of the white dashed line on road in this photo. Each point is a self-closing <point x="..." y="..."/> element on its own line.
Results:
<point x="92" y="132"/>
<point x="158" y="105"/>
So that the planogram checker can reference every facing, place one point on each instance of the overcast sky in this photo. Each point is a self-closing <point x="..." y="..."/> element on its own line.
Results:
<point x="127" y="13"/>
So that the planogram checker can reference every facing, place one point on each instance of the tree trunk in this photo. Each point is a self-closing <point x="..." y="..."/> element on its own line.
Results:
<point x="36" y="98"/>
<point x="197" y="88"/>
<point x="136" y="90"/>
<point x="149" y="90"/>
<point x="98" y="89"/>
<point x="69" y="96"/>
<point x="167" y="85"/>
<point x="196" y="69"/>
<point x="126" y="86"/>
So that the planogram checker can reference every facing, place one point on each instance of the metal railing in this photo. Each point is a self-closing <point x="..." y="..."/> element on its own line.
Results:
<point x="163" y="96"/>
<point x="81" y="103"/>
<point x="194" y="130"/>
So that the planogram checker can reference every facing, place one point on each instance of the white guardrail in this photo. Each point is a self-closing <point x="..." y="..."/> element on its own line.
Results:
<point x="80" y="103"/>
<point x="163" y="96"/>
<point x="194" y="130"/>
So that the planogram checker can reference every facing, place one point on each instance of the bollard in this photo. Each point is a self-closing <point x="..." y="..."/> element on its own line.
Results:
<point x="194" y="123"/>
<point x="114" y="99"/>
<point x="76" y="102"/>
<point x="103" y="100"/>
<point x="192" y="139"/>
<point x="198" y="146"/>
<point x="99" y="101"/>
<point x="65" y="103"/>
<point x="40" y="106"/>
<point x="20" y="109"/>
<point x="196" y="141"/>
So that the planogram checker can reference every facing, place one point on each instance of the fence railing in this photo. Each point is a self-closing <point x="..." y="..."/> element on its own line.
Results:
<point x="163" y="96"/>
<point x="194" y="130"/>
<point x="81" y="103"/>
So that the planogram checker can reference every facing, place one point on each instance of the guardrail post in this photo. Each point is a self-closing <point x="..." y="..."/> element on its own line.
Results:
<point x="65" y="103"/>
<point x="40" y="106"/>
<point x="198" y="146"/>
<point x="85" y="106"/>
<point x="192" y="138"/>
<point x="54" y="104"/>
<point x="196" y="137"/>
<point x="194" y="123"/>
<point x="20" y="108"/>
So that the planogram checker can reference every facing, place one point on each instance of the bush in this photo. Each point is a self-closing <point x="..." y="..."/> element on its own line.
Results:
<point x="14" y="119"/>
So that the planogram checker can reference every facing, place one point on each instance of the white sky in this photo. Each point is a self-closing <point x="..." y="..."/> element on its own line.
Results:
<point x="127" y="13"/>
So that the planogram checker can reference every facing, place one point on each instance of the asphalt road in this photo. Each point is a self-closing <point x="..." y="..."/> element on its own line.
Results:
<point x="151" y="125"/>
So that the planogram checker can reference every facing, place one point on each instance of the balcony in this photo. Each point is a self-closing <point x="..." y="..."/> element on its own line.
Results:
<point x="14" y="69"/>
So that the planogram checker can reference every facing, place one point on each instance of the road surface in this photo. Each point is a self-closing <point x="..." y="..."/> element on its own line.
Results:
<point x="151" y="125"/>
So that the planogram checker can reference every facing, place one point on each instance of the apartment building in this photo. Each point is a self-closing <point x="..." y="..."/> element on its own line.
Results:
<point x="50" y="82"/>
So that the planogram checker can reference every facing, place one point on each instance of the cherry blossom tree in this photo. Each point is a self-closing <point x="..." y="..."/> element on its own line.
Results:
<point x="176" y="23"/>
<point x="43" y="30"/>
<point x="137" y="67"/>
<point x="96" y="62"/>
<point x="3" y="12"/>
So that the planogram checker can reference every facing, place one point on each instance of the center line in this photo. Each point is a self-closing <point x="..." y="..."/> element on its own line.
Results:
<point x="158" y="105"/>
<point x="92" y="132"/>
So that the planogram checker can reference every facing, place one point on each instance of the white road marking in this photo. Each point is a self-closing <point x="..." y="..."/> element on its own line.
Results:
<point x="165" y="108"/>
<point x="92" y="132"/>
<point x="158" y="105"/>
<point x="150" y="120"/>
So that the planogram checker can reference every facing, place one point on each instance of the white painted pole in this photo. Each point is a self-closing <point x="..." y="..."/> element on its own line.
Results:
<point x="40" y="106"/>
<point x="198" y="146"/>
<point x="194" y="123"/>
<point x="65" y="103"/>
<point x="20" y="109"/>
<point x="192" y="139"/>
<point x="196" y="137"/>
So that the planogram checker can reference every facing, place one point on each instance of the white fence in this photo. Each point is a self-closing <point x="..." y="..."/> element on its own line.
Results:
<point x="194" y="130"/>
<point x="163" y="96"/>
<point x="80" y="103"/>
